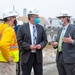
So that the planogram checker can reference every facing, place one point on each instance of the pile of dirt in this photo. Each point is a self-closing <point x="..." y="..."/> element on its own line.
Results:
<point x="49" y="46"/>
<point x="49" y="54"/>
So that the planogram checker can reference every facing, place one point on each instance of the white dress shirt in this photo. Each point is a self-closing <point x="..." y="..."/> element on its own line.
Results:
<point x="65" y="28"/>
<point x="31" y="32"/>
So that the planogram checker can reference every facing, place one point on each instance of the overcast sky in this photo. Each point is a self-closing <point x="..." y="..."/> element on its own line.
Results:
<point x="47" y="8"/>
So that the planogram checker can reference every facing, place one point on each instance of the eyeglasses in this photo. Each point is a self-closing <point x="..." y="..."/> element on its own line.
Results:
<point x="62" y="17"/>
<point x="35" y="16"/>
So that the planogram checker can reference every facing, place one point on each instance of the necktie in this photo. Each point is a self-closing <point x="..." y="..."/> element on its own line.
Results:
<point x="60" y="40"/>
<point x="34" y="37"/>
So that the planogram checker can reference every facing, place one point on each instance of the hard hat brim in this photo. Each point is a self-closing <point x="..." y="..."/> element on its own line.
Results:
<point x="63" y="16"/>
<point x="11" y="16"/>
<point x="33" y="13"/>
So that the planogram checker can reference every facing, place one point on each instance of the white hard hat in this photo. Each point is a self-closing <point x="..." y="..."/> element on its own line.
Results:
<point x="64" y="13"/>
<point x="9" y="13"/>
<point x="33" y="10"/>
<point x="19" y="23"/>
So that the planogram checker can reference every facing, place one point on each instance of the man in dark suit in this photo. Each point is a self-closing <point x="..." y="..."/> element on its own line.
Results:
<point x="65" y="44"/>
<point x="32" y="39"/>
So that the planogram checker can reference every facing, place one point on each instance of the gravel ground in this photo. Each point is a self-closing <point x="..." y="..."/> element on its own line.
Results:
<point x="49" y="55"/>
<point x="49" y="69"/>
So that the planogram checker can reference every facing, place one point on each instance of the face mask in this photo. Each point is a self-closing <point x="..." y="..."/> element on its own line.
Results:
<point x="61" y="22"/>
<point x="37" y="20"/>
<point x="15" y="22"/>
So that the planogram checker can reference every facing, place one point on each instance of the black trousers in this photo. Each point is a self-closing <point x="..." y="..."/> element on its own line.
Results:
<point x="18" y="63"/>
<point x="32" y="62"/>
<point x="65" y="68"/>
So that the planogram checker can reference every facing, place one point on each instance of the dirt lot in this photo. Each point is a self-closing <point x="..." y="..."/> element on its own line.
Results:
<point x="49" y="54"/>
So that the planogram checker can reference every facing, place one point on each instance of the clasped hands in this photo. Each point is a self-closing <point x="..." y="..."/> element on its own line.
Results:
<point x="34" y="47"/>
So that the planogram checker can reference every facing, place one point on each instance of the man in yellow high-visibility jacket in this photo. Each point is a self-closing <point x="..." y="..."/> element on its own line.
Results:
<point x="9" y="53"/>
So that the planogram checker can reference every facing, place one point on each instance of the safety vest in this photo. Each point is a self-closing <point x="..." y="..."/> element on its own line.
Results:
<point x="14" y="51"/>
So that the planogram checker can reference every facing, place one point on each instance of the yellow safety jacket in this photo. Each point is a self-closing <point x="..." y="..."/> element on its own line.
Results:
<point x="8" y="43"/>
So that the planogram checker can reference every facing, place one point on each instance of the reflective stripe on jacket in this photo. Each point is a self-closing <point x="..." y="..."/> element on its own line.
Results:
<point x="8" y="44"/>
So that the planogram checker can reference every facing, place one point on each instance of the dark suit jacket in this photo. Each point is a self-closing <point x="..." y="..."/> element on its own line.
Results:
<point x="68" y="49"/>
<point x="24" y="40"/>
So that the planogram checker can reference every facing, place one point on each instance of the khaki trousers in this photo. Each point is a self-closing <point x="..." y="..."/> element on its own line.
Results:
<point x="7" y="69"/>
